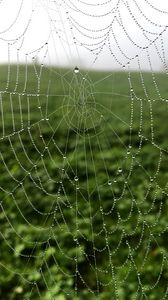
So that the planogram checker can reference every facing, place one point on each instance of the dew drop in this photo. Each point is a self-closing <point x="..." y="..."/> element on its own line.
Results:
<point x="76" y="178"/>
<point x="109" y="182"/>
<point x="76" y="70"/>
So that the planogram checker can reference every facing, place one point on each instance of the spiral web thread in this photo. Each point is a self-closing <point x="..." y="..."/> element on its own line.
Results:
<point x="66" y="169"/>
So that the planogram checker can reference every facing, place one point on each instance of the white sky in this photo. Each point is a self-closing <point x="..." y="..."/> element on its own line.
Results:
<point x="27" y="25"/>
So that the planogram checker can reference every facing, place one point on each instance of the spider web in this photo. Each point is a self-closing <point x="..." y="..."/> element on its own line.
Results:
<point x="83" y="154"/>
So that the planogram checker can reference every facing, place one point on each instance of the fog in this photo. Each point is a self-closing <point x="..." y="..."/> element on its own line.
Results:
<point x="99" y="34"/>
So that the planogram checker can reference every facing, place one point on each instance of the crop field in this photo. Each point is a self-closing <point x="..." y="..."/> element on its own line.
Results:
<point x="83" y="184"/>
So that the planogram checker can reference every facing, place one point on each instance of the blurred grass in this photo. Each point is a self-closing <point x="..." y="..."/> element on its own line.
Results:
<point x="92" y="119"/>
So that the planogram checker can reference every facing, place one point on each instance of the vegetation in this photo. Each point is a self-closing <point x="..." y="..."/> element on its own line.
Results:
<point x="83" y="184"/>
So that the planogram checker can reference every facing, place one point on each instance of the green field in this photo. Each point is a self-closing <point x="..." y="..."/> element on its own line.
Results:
<point x="83" y="184"/>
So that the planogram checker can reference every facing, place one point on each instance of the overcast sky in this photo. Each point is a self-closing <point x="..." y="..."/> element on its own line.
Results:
<point x="102" y="34"/>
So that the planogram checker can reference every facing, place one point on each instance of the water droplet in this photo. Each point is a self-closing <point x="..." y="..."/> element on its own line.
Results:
<point x="76" y="178"/>
<point x="76" y="70"/>
<point x="109" y="182"/>
<point x="119" y="170"/>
